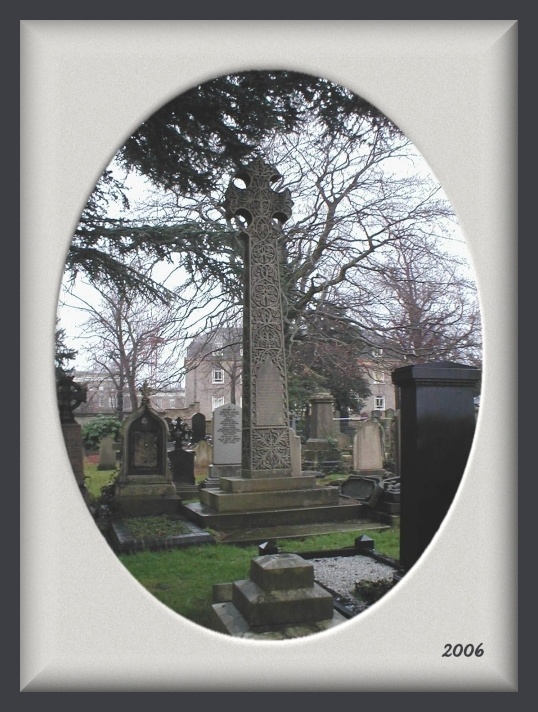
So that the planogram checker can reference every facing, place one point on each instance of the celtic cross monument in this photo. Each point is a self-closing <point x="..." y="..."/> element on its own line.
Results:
<point x="266" y="437"/>
<point x="266" y="492"/>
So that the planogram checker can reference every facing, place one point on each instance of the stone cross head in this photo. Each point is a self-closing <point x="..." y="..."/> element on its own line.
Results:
<point x="258" y="202"/>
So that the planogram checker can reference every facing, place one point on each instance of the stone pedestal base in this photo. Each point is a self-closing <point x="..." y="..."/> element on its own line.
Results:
<point x="240" y="494"/>
<point x="146" y="499"/>
<point x="319" y="455"/>
<point x="218" y="471"/>
<point x="279" y="600"/>
<point x="241" y="502"/>
<point x="184" y="489"/>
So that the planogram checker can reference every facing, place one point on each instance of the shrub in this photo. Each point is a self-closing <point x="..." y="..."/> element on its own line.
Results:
<point x="98" y="428"/>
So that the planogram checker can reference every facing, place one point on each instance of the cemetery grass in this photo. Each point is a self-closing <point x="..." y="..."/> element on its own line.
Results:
<point x="95" y="479"/>
<point x="183" y="579"/>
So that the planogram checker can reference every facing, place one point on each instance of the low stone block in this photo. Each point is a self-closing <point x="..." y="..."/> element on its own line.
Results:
<point x="222" y="592"/>
<point x="278" y="572"/>
<point x="258" y="501"/>
<point x="243" y="485"/>
<point x="261" y="608"/>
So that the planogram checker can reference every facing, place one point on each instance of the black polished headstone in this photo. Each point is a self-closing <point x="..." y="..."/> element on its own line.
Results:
<point x="436" y="402"/>
<point x="198" y="427"/>
<point x="182" y="465"/>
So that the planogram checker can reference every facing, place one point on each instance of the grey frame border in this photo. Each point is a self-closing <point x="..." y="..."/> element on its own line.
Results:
<point x="451" y="86"/>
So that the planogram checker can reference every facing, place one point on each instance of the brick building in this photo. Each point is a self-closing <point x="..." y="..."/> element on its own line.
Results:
<point x="101" y="397"/>
<point x="214" y="368"/>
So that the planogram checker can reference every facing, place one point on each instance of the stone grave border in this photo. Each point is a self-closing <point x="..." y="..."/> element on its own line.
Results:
<point x="123" y="542"/>
<point x="339" y="602"/>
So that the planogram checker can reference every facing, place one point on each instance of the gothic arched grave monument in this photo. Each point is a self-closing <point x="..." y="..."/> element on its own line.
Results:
<point x="145" y="485"/>
<point x="265" y="494"/>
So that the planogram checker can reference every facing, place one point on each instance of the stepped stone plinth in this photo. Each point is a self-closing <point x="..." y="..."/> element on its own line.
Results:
<point x="279" y="600"/>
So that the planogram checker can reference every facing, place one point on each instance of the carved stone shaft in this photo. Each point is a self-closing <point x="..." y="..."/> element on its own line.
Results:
<point x="266" y="439"/>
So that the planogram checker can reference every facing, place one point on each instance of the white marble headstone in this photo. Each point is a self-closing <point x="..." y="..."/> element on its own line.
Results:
<point x="227" y="428"/>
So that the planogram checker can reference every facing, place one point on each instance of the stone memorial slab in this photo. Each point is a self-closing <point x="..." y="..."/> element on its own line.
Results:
<point x="367" y="447"/>
<point x="182" y="465"/>
<point x="107" y="454"/>
<point x="144" y="484"/>
<point x="198" y="427"/>
<point x="203" y="454"/>
<point x="227" y="435"/>
<point x="365" y="489"/>
<point x="295" y="445"/>
<point x="70" y="395"/>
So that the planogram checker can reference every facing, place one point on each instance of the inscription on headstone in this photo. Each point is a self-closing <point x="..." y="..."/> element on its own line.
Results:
<point x="144" y="450"/>
<point x="227" y="435"/>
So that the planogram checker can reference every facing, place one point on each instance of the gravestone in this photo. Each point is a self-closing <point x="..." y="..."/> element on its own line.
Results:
<point x="203" y="454"/>
<point x="182" y="466"/>
<point x="367" y="489"/>
<point x="198" y="427"/>
<point x="280" y="600"/>
<point x="437" y="425"/>
<point x="264" y="491"/>
<point x="226" y="436"/>
<point x="321" y="450"/>
<point x="70" y="395"/>
<point x="367" y="448"/>
<point x="388" y="426"/>
<point x="144" y="485"/>
<point x="295" y="442"/>
<point x="107" y="454"/>
<point x="321" y="417"/>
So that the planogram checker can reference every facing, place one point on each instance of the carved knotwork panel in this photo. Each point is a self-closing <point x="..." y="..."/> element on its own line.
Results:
<point x="271" y="448"/>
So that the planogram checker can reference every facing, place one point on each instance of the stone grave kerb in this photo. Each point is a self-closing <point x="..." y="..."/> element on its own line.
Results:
<point x="265" y="431"/>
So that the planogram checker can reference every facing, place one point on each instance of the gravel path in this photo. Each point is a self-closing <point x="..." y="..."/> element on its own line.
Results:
<point x="340" y="574"/>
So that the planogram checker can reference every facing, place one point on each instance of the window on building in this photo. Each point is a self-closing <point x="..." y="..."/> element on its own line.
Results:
<point x="172" y="403"/>
<point x="218" y="375"/>
<point x="217" y="401"/>
<point x="379" y="377"/>
<point x="112" y="401"/>
<point x="379" y="403"/>
<point x="377" y="351"/>
<point x="101" y="401"/>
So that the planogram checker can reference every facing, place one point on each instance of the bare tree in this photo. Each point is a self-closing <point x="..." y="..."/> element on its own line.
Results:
<point x="366" y="209"/>
<point x="419" y="305"/>
<point x="221" y="351"/>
